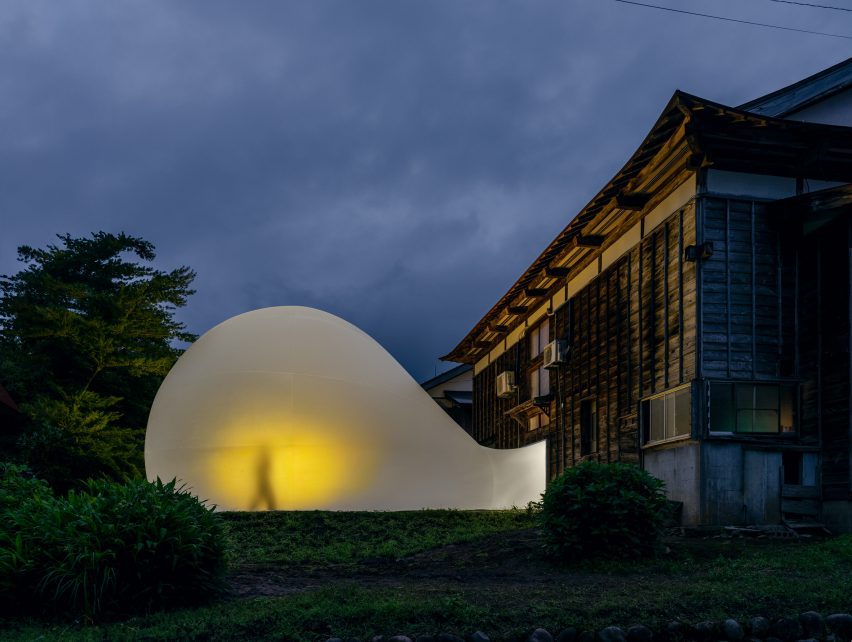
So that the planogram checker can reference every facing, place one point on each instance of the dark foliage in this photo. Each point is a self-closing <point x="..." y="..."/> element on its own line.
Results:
<point x="112" y="548"/>
<point x="596" y="510"/>
<point x="17" y="485"/>
<point x="87" y="333"/>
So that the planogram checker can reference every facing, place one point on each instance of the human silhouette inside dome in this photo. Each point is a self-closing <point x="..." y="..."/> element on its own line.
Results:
<point x="265" y="494"/>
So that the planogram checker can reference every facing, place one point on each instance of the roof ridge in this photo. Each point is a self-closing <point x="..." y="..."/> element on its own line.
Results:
<point x="445" y="376"/>
<point x="804" y="92"/>
<point x="679" y="107"/>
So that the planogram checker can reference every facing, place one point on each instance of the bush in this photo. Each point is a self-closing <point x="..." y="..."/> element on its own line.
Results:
<point x="17" y="486"/>
<point x="73" y="438"/>
<point x="603" y="510"/>
<point x="115" y="548"/>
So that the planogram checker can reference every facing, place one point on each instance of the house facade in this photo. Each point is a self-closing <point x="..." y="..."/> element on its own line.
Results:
<point x="694" y="317"/>
<point x="453" y="391"/>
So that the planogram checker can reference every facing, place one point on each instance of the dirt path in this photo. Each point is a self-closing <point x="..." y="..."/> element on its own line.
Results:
<point x="512" y="558"/>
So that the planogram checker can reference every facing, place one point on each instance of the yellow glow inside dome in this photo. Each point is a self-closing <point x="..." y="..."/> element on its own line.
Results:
<point x="292" y="408"/>
<point x="276" y="468"/>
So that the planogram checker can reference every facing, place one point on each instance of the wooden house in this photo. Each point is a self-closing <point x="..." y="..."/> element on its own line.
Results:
<point x="453" y="391"/>
<point x="694" y="317"/>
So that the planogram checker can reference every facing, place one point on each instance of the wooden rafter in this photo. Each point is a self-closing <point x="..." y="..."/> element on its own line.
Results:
<point x="633" y="200"/>
<point x="557" y="272"/>
<point x="589" y="240"/>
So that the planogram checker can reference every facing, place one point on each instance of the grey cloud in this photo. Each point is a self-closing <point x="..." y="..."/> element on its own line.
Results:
<point x="397" y="163"/>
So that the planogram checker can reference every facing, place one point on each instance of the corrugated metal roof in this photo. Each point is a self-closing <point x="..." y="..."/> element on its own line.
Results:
<point x="452" y="373"/>
<point x="805" y="92"/>
<point x="460" y="397"/>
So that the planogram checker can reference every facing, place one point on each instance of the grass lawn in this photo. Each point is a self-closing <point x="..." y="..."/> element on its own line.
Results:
<point x="308" y="576"/>
<point x="321" y="538"/>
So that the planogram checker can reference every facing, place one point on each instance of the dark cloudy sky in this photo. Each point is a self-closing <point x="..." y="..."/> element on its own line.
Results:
<point x="396" y="163"/>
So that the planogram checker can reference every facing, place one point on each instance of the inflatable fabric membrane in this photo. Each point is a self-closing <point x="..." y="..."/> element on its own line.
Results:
<point x="292" y="408"/>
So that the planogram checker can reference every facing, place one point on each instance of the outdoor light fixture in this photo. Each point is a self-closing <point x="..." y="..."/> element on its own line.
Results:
<point x="293" y="408"/>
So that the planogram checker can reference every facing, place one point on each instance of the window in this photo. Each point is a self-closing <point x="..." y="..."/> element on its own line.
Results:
<point x="539" y="382"/>
<point x="539" y="337"/>
<point x="588" y="427"/>
<point x="539" y="377"/>
<point x="668" y="415"/>
<point x="752" y="408"/>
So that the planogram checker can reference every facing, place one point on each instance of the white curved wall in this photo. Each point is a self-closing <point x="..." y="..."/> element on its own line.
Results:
<point x="292" y="408"/>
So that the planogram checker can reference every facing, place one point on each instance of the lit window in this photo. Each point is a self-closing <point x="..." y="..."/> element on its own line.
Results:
<point x="752" y="408"/>
<point x="539" y="337"/>
<point x="668" y="415"/>
<point x="539" y="382"/>
<point x="539" y="377"/>
<point x="539" y="387"/>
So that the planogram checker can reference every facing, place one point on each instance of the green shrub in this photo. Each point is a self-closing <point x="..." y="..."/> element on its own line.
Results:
<point x="603" y="510"/>
<point x="75" y="437"/>
<point x="116" y="548"/>
<point x="17" y="486"/>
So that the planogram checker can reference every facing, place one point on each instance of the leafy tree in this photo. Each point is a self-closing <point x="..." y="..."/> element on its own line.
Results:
<point x="87" y="332"/>
<point x="79" y="437"/>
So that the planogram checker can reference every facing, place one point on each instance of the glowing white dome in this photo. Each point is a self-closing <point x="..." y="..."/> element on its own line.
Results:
<point x="294" y="408"/>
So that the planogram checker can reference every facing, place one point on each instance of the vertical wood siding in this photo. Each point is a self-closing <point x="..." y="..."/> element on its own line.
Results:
<point x="748" y="290"/>
<point x="775" y="306"/>
<point x="824" y="344"/>
<point x="491" y="425"/>
<point x="632" y="332"/>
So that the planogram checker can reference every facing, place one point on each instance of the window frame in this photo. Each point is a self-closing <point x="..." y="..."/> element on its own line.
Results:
<point x="537" y="372"/>
<point x="645" y="415"/>
<point x="535" y="368"/>
<point x="796" y="387"/>
<point x="595" y="428"/>
<point x="535" y="330"/>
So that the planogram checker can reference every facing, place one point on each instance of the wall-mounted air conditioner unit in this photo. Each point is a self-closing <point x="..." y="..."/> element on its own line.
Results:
<point x="505" y="384"/>
<point x="555" y="354"/>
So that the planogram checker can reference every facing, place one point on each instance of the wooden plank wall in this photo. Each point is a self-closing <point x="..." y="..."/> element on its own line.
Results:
<point x="776" y="306"/>
<point x="491" y="426"/>
<point x="808" y="348"/>
<point x="762" y="302"/>
<point x="749" y="293"/>
<point x="632" y="332"/>
<point x="824" y="351"/>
